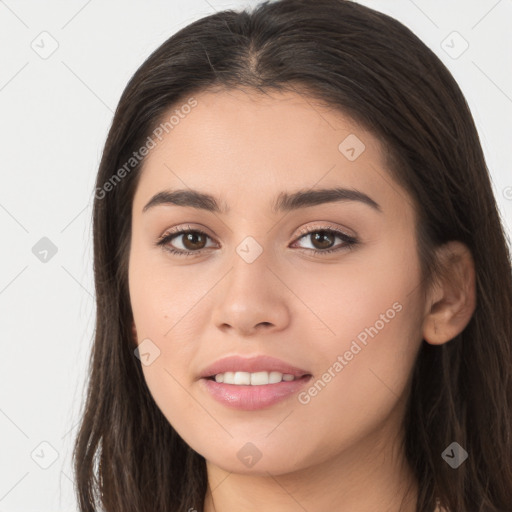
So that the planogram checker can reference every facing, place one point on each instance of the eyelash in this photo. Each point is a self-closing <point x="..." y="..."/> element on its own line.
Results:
<point x="349" y="242"/>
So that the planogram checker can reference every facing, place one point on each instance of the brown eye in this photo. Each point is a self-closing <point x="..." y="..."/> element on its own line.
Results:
<point x="322" y="239"/>
<point x="184" y="242"/>
<point x="194" y="240"/>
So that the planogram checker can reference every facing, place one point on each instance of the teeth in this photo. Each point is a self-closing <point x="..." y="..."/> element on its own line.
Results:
<point x="253" y="379"/>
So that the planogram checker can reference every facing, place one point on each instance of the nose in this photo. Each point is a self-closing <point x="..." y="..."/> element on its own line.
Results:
<point x="251" y="299"/>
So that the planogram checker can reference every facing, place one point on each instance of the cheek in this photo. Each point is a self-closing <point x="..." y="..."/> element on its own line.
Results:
<point x="365" y="370"/>
<point x="165" y="301"/>
<point x="369" y="314"/>
<point x="164" y="294"/>
<point x="370" y="290"/>
<point x="168" y="316"/>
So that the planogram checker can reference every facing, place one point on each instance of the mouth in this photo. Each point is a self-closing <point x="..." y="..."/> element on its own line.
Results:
<point x="252" y="383"/>
<point x="261" y="378"/>
<point x="239" y="393"/>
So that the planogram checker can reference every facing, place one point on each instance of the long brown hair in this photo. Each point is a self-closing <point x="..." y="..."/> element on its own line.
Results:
<point x="127" y="456"/>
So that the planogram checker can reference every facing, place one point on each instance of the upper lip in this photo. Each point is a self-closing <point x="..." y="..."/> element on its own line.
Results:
<point x="251" y="365"/>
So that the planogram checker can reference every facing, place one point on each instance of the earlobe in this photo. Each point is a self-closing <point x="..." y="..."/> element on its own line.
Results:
<point x="452" y="299"/>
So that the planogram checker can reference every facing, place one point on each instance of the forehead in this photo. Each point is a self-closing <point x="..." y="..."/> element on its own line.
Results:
<point x="246" y="147"/>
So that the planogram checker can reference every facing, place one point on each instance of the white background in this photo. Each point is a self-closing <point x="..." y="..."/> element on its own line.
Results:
<point x="54" y="117"/>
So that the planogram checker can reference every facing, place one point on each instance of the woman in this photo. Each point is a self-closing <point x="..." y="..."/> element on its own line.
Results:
<point x="304" y="291"/>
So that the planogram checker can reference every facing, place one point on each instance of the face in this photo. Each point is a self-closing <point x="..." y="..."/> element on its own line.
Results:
<point x="328" y="284"/>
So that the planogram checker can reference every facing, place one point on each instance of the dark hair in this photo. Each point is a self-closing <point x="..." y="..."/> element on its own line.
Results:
<point x="127" y="457"/>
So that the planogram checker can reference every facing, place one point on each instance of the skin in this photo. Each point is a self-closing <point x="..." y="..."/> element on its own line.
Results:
<point x="306" y="309"/>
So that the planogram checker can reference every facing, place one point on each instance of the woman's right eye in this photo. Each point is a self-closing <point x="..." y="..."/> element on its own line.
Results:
<point x="190" y="237"/>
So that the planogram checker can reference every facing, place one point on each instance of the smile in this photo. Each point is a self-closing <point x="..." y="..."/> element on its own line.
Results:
<point x="253" y="379"/>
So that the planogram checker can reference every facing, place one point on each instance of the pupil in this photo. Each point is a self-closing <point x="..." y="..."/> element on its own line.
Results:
<point x="322" y="234"/>
<point x="189" y="237"/>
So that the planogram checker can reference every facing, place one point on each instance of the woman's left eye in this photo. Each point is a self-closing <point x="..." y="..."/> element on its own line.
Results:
<point x="324" y="237"/>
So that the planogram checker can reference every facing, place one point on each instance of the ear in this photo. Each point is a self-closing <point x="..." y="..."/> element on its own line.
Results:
<point x="451" y="300"/>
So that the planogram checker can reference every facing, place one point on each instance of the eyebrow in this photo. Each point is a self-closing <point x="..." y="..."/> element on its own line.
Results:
<point x="284" y="202"/>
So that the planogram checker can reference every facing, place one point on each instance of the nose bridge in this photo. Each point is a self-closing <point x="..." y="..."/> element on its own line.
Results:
<point x="252" y="244"/>
<point x="253" y="261"/>
<point x="250" y="296"/>
<point x="249" y="266"/>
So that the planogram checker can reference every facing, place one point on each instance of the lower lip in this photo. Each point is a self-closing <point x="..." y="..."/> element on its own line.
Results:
<point x="251" y="398"/>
